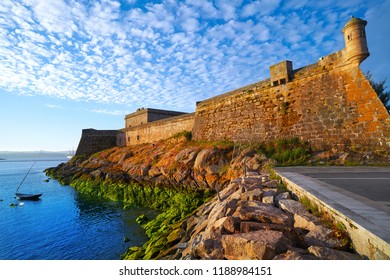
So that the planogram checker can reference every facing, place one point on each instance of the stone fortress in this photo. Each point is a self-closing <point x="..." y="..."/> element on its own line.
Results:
<point x="330" y="104"/>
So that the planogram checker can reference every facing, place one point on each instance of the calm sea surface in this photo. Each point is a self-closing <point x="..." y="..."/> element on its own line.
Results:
<point x="63" y="224"/>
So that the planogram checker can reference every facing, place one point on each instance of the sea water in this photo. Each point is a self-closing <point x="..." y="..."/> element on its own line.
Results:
<point x="63" y="224"/>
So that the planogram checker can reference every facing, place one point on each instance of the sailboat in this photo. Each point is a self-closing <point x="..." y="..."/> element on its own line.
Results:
<point x="25" y="196"/>
<point x="71" y="154"/>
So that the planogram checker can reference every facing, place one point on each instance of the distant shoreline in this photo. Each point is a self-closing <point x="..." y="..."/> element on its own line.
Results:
<point x="5" y="155"/>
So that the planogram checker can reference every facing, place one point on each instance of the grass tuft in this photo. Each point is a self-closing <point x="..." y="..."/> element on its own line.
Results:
<point x="286" y="151"/>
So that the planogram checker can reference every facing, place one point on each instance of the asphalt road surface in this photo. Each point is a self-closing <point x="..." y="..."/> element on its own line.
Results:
<point x="360" y="193"/>
<point x="372" y="183"/>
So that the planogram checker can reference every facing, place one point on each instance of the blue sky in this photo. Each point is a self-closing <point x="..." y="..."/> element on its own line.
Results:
<point x="66" y="65"/>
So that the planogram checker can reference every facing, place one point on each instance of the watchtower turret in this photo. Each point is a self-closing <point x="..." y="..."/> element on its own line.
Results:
<point x="355" y="40"/>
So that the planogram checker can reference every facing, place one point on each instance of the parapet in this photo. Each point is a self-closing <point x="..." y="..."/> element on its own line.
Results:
<point x="147" y="115"/>
<point x="281" y="73"/>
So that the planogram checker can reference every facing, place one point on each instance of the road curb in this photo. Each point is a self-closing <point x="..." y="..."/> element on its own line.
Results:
<point x="369" y="238"/>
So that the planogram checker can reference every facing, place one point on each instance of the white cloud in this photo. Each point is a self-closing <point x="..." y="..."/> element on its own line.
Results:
<point x="228" y="9"/>
<point x="54" y="16"/>
<point x="190" y="24"/>
<point x="157" y="16"/>
<point x="54" y="106"/>
<point x="261" y="32"/>
<point x="144" y="54"/>
<point x="294" y="4"/>
<point x="102" y="19"/>
<point x="109" y="112"/>
<point x="378" y="23"/>
<point x="252" y="9"/>
<point x="206" y="8"/>
<point x="167" y="54"/>
<point x="31" y="35"/>
<point x="39" y="51"/>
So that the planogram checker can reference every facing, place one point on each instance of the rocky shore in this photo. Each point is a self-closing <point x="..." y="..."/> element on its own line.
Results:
<point x="216" y="201"/>
<point x="253" y="219"/>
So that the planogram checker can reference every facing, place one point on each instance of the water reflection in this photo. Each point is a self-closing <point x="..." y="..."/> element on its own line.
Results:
<point x="63" y="224"/>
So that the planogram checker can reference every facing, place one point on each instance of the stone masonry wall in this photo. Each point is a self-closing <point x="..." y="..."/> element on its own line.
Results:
<point x="158" y="130"/>
<point x="329" y="104"/>
<point x="136" y="119"/>
<point x="93" y="141"/>
<point x="147" y="115"/>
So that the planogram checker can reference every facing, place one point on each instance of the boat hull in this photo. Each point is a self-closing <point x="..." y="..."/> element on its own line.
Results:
<point x="25" y="196"/>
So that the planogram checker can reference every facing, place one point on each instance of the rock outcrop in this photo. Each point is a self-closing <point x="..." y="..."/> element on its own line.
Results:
<point x="171" y="163"/>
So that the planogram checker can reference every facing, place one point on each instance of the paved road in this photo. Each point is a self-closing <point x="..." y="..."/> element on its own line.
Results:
<point x="372" y="183"/>
<point x="360" y="193"/>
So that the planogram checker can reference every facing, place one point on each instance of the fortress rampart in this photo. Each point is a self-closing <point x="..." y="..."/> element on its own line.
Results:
<point x="329" y="103"/>
<point x="158" y="130"/>
<point x="93" y="140"/>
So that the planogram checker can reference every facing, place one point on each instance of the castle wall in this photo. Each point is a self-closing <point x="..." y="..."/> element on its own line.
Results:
<point x="135" y="119"/>
<point x="158" y="130"/>
<point x="93" y="141"/>
<point x="330" y="104"/>
<point x="147" y="115"/>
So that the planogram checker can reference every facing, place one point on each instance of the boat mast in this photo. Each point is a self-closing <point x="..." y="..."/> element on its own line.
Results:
<point x="25" y="177"/>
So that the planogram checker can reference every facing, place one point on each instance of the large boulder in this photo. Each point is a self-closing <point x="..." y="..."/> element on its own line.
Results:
<point x="223" y="209"/>
<point x="288" y="231"/>
<point x="225" y="225"/>
<point x="317" y="234"/>
<point x="154" y="171"/>
<point x="320" y="236"/>
<point x="306" y="221"/>
<point x="201" y="160"/>
<point x="228" y="191"/>
<point x="187" y="156"/>
<point x="292" y="254"/>
<point x="255" y="194"/>
<point x="256" y="245"/>
<point x="266" y="213"/>
<point x="281" y="196"/>
<point x="269" y="196"/>
<point x="292" y="206"/>
<point x="208" y="248"/>
<point x="331" y="254"/>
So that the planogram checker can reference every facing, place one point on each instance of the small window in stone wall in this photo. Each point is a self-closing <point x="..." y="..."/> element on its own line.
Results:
<point x="282" y="81"/>
<point x="275" y="83"/>
<point x="128" y="139"/>
<point x="349" y="37"/>
<point x="138" y="137"/>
